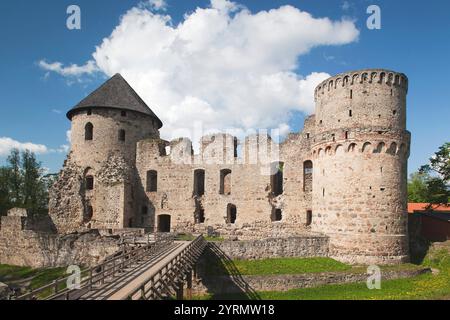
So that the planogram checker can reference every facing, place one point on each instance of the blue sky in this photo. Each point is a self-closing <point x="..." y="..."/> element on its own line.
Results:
<point x="414" y="39"/>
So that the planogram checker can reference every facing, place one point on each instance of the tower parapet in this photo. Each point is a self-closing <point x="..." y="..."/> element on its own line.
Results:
<point x="372" y="97"/>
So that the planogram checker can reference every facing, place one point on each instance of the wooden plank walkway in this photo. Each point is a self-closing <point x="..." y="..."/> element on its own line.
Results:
<point x="119" y="288"/>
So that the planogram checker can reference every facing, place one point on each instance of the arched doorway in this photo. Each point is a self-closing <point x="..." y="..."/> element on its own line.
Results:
<point x="231" y="213"/>
<point x="164" y="223"/>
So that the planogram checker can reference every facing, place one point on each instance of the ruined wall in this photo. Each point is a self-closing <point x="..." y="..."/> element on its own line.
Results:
<point x="312" y="245"/>
<point x="360" y="153"/>
<point x="22" y="245"/>
<point x="249" y="191"/>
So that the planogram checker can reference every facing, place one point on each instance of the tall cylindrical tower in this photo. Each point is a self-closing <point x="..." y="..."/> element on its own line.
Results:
<point x="360" y="151"/>
<point x="98" y="182"/>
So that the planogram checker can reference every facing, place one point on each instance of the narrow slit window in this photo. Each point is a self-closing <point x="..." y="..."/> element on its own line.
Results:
<point x="89" y="132"/>
<point x="225" y="182"/>
<point x="276" y="179"/>
<point x="152" y="181"/>
<point x="277" y="215"/>
<point x="307" y="176"/>
<point x="308" y="217"/>
<point x="231" y="213"/>
<point x="199" y="182"/>
<point x="89" y="183"/>
<point x="121" y="135"/>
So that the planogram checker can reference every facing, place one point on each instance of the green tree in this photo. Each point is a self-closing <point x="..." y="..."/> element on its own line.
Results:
<point x="23" y="184"/>
<point x="33" y="188"/>
<point x="417" y="187"/>
<point x="4" y="190"/>
<point x="438" y="191"/>
<point x="440" y="163"/>
<point x="15" y="178"/>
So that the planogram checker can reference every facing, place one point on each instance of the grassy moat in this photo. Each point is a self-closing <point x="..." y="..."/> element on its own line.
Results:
<point x="434" y="285"/>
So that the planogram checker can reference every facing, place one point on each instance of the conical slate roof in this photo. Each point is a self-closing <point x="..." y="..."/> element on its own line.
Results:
<point x="115" y="93"/>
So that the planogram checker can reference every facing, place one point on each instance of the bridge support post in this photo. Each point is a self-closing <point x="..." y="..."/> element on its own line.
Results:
<point x="179" y="291"/>
<point x="189" y="286"/>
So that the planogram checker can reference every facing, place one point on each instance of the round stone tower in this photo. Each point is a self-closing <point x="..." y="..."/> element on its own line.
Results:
<point x="360" y="151"/>
<point x="97" y="185"/>
<point x="112" y="119"/>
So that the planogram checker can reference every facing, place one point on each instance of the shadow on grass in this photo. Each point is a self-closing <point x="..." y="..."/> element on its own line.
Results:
<point x="221" y="277"/>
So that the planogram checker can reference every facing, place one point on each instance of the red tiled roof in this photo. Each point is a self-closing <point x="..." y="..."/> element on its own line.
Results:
<point x="412" y="207"/>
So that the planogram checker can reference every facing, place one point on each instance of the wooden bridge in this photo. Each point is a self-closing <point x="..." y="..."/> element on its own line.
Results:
<point x="155" y="271"/>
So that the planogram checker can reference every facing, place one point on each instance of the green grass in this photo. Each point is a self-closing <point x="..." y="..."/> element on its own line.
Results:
<point x="289" y="266"/>
<point x="190" y="237"/>
<point x="214" y="238"/>
<point x="39" y="277"/>
<point x="185" y="237"/>
<point x="425" y="286"/>
<point x="277" y="266"/>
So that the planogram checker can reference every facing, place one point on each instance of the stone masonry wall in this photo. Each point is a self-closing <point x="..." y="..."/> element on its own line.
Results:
<point x="300" y="246"/>
<point x="23" y="247"/>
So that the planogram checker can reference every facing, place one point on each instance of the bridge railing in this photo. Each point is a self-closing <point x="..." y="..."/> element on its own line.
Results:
<point x="170" y="273"/>
<point x="108" y="268"/>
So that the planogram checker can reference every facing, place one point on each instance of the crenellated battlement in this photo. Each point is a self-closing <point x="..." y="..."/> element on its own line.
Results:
<point x="393" y="148"/>
<point x="354" y="78"/>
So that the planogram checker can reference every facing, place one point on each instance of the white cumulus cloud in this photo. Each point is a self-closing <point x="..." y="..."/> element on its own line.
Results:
<point x="223" y="65"/>
<point x="157" y="5"/>
<point x="72" y="70"/>
<point x="7" y="144"/>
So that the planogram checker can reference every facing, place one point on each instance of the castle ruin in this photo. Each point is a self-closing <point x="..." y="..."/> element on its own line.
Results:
<point x="343" y="176"/>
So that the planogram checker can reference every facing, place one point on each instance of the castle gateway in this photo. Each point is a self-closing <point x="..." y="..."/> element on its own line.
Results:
<point x="343" y="176"/>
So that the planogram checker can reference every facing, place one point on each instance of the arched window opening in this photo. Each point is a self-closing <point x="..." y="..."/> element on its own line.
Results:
<point x="121" y="135"/>
<point x="199" y="213"/>
<point x="392" y="149"/>
<point x="231" y="213"/>
<point x="367" y="147"/>
<point x="346" y="135"/>
<point x="351" y="147"/>
<point x="89" y="112"/>
<point x="225" y="182"/>
<point x="200" y="216"/>
<point x="152" y="181"/>
<point x="308" y="217"/>
<point x="144" y="210"/>
<point x="276" y="179"/>
<point x="277" y="215"/>
<point x="89" y="132"/>
<point x="123" y="113"/>
<point x="89" y="213"/>
<point x="199" y="182"/>
<point x="307" y="176"/>
<point x="89" y="183"/>
<point x="350" y="113"/>
<point x="379" y="148"/>
<point x="164" y="223"/>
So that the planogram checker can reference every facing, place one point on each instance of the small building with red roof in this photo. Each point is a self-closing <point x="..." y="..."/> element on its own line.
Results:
<point x="434" y="220"/>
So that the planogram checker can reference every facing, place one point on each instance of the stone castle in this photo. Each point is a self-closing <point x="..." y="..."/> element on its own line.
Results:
<point x="343" y="176"/>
